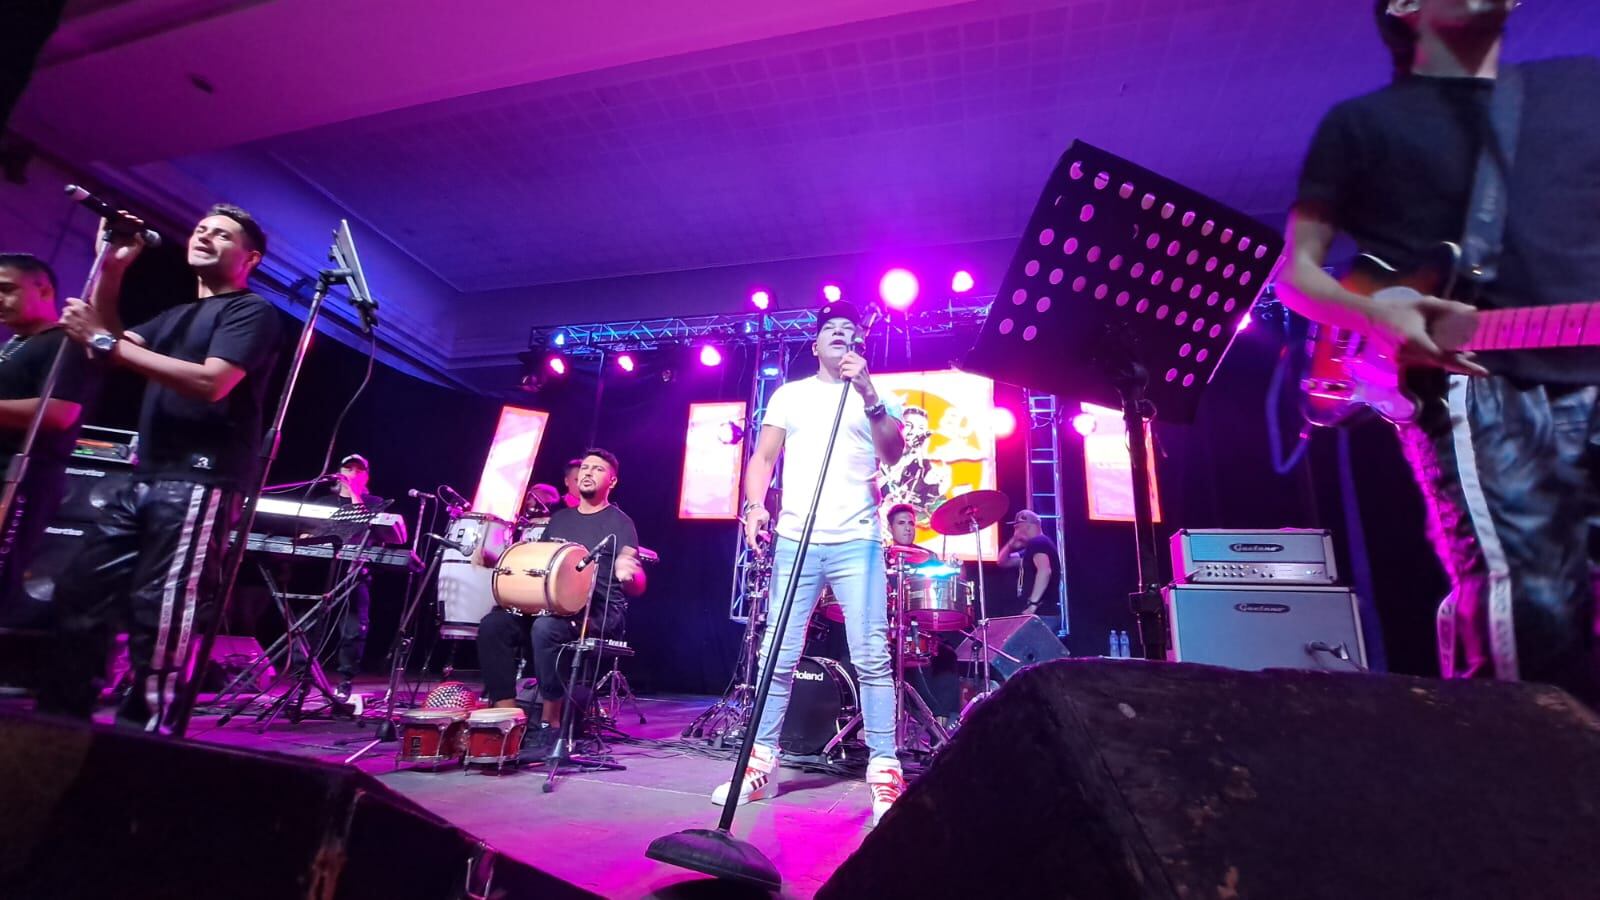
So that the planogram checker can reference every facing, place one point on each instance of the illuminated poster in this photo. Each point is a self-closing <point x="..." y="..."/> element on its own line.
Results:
<point x="713" y="454"/>
<point x="948" y="420"/>
<point x="510" y="462"/>
<point x="1107" y="471"/>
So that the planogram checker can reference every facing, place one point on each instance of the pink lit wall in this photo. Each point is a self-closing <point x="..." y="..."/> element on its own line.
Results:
<point x="505" y="472"/>
<point x="1107" y="471"/>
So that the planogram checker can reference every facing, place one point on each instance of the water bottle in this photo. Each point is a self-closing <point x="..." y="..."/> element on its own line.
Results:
<point x="1115" y="651"/>
<point x="1122" y="644"/>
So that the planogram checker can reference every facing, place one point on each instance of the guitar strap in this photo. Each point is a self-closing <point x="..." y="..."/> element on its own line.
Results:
<point x="1484" y="235"/>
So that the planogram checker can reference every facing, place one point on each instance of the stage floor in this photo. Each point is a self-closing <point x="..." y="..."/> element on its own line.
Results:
<point x="592" y="830"/>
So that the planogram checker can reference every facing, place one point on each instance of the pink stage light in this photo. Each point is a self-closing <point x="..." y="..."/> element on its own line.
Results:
<point x="557" y="364"/>
<point x="625" y="362"/>
<point x="832" y="293"/>
<point x="898" y="289"/>
<point x="961" y="282"/>
<point x="760" y="299"/>
<point x="710" y="356"/>
<point x="1003" y="422"/>
<point x="1084" y="423"/>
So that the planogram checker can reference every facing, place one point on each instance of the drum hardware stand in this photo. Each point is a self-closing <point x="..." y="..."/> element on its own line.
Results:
<point x="347" y="271"/>
<point x="614" y="684"/>
<point x="716" y="852"/>
<point x="400" y="652"/>
<point x="729" y="717"/>
<point x="559" y="757"/>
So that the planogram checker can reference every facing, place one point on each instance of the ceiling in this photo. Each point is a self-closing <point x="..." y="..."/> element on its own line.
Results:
<point x="524" y="145"/>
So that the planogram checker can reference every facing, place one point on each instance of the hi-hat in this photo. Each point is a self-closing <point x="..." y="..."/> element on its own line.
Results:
<point x="958" y="514"/>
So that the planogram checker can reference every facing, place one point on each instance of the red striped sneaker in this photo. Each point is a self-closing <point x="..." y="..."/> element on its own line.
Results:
<point x="886" y="783"/>
<point x="760" y="778"/>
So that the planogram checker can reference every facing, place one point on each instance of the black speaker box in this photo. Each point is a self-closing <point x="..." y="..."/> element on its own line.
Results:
<point x="93" y="813"/>
<point x="1014" y="642"/>
<point x="1133" y="779"/>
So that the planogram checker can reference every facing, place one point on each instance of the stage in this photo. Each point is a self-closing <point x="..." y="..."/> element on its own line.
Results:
<point x="593" y="829"/>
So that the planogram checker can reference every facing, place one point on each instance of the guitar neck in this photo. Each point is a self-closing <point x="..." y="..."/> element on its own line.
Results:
<point x="1538" y="327"/>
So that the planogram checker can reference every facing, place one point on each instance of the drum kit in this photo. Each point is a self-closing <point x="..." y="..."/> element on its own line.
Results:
<point x="927" y="598"/>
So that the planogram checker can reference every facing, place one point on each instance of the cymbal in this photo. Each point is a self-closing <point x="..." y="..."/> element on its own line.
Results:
<point x="909" y="554"/>
<point x="955" y="515"/>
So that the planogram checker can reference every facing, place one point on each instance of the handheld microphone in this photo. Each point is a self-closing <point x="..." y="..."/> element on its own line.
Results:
<point x="416" y="493"/>
<point x="595" y="553"/>
<point x="111" y="214"/>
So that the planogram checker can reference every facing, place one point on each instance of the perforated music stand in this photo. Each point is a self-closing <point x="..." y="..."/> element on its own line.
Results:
<point x="1126" y="290"/>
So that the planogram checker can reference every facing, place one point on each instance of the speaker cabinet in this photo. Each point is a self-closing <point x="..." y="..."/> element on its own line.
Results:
<point x="1095" y="779"/>
<point x="1266" y="627"/>
<point x="1014" y="642"/>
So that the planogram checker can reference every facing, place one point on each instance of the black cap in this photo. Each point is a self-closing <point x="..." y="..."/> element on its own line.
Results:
<point x="355" y="459"/>
<point x="838" y="309"/>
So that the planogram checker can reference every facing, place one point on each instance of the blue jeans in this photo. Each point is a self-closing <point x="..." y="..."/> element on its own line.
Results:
<point x="854" y="569"/>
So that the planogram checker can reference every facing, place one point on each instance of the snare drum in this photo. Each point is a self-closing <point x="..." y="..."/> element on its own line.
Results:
<point x="480" y="537"/>
<point x="494" y="736"/>
<point x="542" y="577"/>
<point x="821" y="702"/>
<point x="937" y="600"/>
<point x="432" y="736"/>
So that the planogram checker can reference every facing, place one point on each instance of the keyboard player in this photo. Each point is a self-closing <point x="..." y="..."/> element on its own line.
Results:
<point x="352" y="490"/>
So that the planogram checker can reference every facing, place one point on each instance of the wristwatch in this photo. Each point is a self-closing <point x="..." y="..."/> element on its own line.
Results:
<point x="103" y="342"/>
<point x="876" y="410"/>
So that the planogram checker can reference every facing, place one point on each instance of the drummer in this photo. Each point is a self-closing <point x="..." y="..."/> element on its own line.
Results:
<point x="939" y="682"/>
<point x="619" y="577"/>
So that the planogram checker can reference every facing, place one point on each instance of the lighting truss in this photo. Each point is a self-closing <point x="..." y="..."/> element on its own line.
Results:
<point x="961" y="313"/>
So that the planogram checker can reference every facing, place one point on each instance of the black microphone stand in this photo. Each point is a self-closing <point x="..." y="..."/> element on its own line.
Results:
<point x="716" y="852"/>
<point x="559" y="755"/>
<point x="189" y="688"/>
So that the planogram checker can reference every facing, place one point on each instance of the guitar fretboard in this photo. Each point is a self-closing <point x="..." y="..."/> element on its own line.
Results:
<point x="1535" y="327"/>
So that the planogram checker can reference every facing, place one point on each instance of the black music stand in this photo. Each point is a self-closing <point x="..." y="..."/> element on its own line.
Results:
<point x="1126" y="290"/>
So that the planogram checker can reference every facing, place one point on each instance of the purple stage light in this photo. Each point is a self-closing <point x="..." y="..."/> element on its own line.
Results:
<point x="557" y="364"/>
<point x="1083" y="423"/>
<point x="760" y="299"/>
<point x="1244" y="322"/>
<point x="625" y="362"/>
<point x="710" y="356"/>
<point x="898" y="289"/>
<point x="961" y="282"/>
<point x="832" y="293"/>
<point x="1003" y="422"/>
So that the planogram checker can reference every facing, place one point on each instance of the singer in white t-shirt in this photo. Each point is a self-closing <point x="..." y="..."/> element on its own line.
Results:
<point x="846" y="551"/>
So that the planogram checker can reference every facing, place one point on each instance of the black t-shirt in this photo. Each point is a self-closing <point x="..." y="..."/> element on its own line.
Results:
<point x="589" y="530"/>
<point x="24" y="364"/>
<point x="1050" y="600"/>
<point x="1394" y="169"/>
<point x="192" y="439"/>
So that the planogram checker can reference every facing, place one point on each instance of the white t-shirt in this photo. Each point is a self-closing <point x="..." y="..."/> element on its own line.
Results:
<point x="849" y="508"/>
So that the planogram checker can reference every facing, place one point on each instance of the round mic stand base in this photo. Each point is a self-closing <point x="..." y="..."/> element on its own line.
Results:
<point x="716" y="852"/>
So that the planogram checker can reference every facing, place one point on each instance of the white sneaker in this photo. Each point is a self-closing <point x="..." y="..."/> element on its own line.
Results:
<point x="887" y="783"/>
<point x="760" y="778"/>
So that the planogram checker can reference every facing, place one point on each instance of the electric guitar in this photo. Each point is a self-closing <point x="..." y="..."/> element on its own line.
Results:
<point x="1347" y="371"/>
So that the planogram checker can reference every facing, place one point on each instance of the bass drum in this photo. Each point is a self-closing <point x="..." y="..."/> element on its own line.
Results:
<point x="536" y="577"/>
<point x="465" y="595"/>
<point x="822" y="701"/>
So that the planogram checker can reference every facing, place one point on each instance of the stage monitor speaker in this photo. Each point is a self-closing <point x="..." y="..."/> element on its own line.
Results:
<point x="1096" y="779"/>
<point x="92" y="813"/>
<point x="1014" y="642"/>
<point x="1265" y="627"/>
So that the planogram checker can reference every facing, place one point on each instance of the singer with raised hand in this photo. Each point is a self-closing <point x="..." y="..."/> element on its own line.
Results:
<point x="594" y="522"/>
<point x="845" y="553"/>
<point x="153" y="560"/>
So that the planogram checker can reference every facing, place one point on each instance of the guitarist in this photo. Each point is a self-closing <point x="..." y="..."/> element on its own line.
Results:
<point x="1507" y="445"/>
